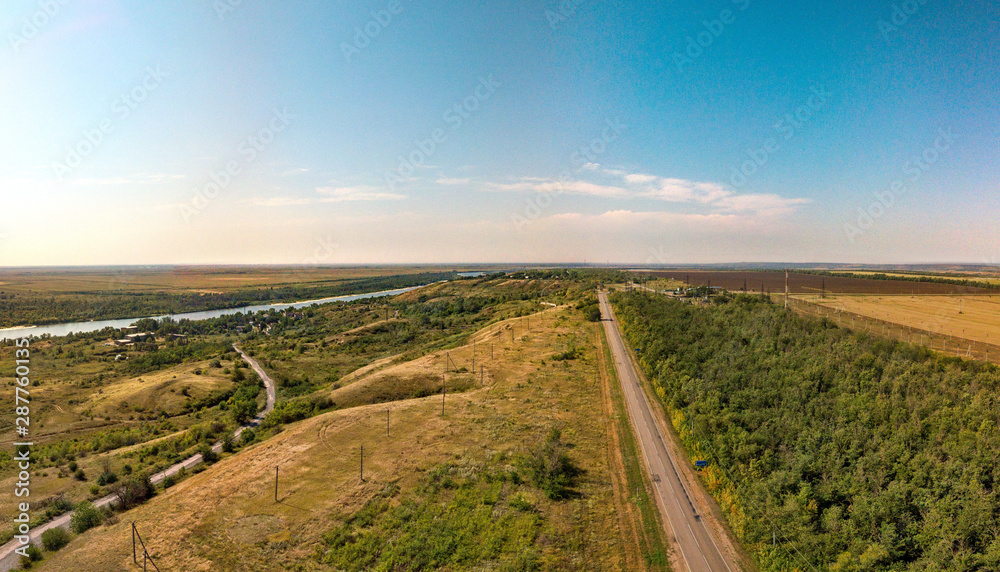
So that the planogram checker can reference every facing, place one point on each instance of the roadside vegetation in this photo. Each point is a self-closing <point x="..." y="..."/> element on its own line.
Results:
<point x="514" y="476"/>
<point x="828" y="449"/>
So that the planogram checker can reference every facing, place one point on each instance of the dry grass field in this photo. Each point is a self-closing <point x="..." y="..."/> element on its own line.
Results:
<point x="166" y="390"/>
<point x="226" y="518"/>
<point x="71" y="412"/>
<point x="181" y="279"/>
<point x="974" y="318"/>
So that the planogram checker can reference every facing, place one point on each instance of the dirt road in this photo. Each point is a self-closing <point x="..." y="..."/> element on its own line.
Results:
<point x="9" y="560"/>
<point x="692" y="537"/>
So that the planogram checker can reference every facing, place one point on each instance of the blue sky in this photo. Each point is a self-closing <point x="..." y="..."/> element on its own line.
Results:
<point x="399" y="131"/>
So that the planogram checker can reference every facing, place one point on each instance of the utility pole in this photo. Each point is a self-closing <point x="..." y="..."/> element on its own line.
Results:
<point x="473" y="357"/>
<point x="362" y="462"/>
<point x="786" y="288"/>
<point x="386" y="422"/>
<point x="276" y="484"/>
<point x="482" y="373"/>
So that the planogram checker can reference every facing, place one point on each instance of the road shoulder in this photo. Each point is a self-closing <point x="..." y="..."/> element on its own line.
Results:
<point x="723" y="535"/>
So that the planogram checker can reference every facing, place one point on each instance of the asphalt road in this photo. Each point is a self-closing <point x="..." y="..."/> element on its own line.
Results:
<point x="9" y="560"/>
<point x="690" y="534"/>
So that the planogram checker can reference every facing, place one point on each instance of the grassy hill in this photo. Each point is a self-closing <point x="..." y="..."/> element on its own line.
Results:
<point x="523" y="472"/>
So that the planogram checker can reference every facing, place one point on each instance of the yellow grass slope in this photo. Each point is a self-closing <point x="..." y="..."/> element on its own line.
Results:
<point x="226" y="518"/>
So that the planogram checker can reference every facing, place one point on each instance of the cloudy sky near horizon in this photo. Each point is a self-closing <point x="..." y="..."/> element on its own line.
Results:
<point x="394" y="131"/>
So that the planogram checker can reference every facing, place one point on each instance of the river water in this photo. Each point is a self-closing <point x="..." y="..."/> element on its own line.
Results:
<point x="93" y="326"/>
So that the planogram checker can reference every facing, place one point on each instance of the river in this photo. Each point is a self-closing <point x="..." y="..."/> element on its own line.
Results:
<point x="94" y="326"/>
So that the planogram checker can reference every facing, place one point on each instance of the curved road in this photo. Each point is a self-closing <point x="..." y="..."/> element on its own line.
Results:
<point x="9" y="560"/>
<point x="688" y="531"/>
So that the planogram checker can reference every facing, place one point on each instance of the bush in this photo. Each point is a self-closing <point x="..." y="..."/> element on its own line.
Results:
<point x="551" y="469"/>
<point x="208" y="455"/>
<point x="55" y="538"/>
<point x="57" y="506"/>
<point x="85" y="517"/>
<point x="227" y="443"/>
<point x="34" y="555"/>
<point x="80" y="475"/>
<point x="107" y="479"/>
<point x="247" y="436"/>
<point x="133" y="491"/>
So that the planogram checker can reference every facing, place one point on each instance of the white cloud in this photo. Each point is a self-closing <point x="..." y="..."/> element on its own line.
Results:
<point x="453" y="181"/>
<point x="632" y="178"/>
<point x="356" y="193"/>
<point x="761" y="203"/>
<point x="556" y="187"/>
<point x="279" y="201"/>
<point x="680" y="190"/>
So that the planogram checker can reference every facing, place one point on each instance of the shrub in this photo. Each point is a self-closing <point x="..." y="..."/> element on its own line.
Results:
<point x="133" y="491"/>
<point x="107" y="479"/>
<point x="551" y="469"/>
<point x="55" y="538"/>
<point x="34" y="555"/>
<point x="208" y="455"/>
<point x="56" y="506"/>
<point x="248" y="436"/>
<point x="227" y="443"/>
<point x="80" y="475"/>
<point x="85" y="517"/>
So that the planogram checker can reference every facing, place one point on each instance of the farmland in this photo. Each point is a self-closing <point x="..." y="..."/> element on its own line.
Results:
<point x="967" y="317"/>
<point x="799" y="283"/>
<point x="49" y="296"/>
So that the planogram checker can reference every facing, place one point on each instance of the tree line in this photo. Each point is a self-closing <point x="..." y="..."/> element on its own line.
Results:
<point x="828" y="449"/>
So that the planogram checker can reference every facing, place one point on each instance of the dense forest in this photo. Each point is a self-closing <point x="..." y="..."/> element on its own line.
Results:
<point x="23" y="308"/>
<point x="829" y="450"/>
